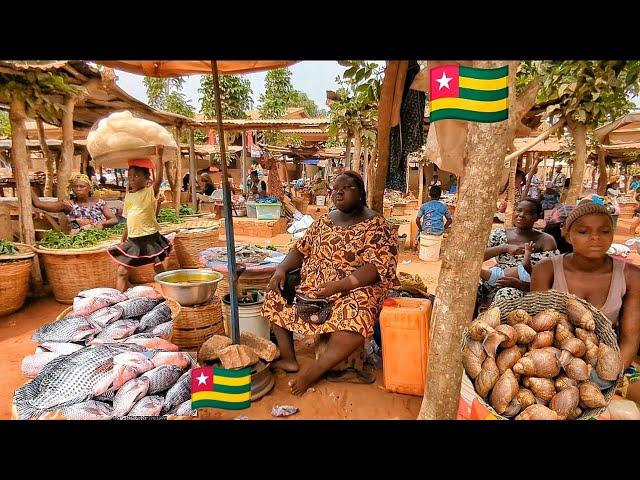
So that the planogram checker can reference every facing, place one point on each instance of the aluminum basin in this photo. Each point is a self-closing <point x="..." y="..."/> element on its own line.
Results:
<point x="189" y="287"/>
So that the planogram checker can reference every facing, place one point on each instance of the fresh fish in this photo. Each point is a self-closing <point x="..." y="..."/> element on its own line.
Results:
<point x="137" y="360"/>
<point x="163" y="330"/>
<point x="161" y="378"/>
<point x="68" y="329"/>
<point x="179" y="393"/>
<point x="23" y="395"/>
<point x="128" y="395"/>
<point x="86" y="306"/>
<point x="88" y="410"/>
<point x="122" y="374"/>
<point x="184" y="410"/>
<point x="136" y="307"/>
<point x="107" y="396"/>
<point x="143" y="291"/>
<point x="161" y="313"/>
<point x="147" y="407"/>
<point x="105" y="316"/>
<point x="153" y="342"/>
<point x="117" y="295"/>
<point x="181" y="360"/>
<point x="125" y="347"/>
<point x="79" y="376"/>
<point x="65" y="348"/>
<point x="118" y="330"/>
<point x="32" y="365"/>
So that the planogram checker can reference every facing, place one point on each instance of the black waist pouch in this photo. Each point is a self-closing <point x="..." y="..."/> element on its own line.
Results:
<point x="291" y="282"/>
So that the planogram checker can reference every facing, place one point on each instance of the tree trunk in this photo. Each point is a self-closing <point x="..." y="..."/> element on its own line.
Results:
<point x="420" y="182"/>
<point x="602" y="179"/>
<point x="66" y="158"/>
<point x="19" y="155"/>
<point x="48" y="183"/>
<point x="347" y="154"/>
<point x="370" y="175"/>
<point x="392" y="74"/>
<point x="365" y="162"/>
<point x="579" y="134"/>
<point x="177" y="177"/>
<point x="357" y="148"/>
<point x="463" y="256"/>
<point x="511" y="193"/>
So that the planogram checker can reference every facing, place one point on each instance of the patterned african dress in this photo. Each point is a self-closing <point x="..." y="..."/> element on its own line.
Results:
<point x="275" y="184"/>
<point x="93" y="213"/>
<point x="489" y="294"/>
<point x="331" y="253"/>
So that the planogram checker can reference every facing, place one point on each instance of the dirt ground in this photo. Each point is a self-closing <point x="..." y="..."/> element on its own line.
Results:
<point x="325" y="400"/>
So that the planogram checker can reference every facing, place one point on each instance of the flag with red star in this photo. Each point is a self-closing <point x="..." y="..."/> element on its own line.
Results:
<point x="221" y="388"/>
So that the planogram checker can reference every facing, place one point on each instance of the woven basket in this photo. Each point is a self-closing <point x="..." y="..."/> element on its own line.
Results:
<point x="248" y="280"/>
<point x="71" y="271"/>
<point x="534" y="303"/>
<point x="14" y="282"/>
<point x="172" y="304"/>
<point x="146" y="274"/>
<point x="196" y="325"/>
<point x="188" y="245"/>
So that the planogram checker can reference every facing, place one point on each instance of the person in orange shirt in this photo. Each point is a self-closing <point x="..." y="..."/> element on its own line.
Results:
<point x="142" y="244"/>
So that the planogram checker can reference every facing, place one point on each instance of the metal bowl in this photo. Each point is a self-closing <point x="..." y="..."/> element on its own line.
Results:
<point x="189" y="286"/>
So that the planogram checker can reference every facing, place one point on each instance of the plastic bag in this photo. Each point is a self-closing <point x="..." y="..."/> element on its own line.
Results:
<point x="621" y="409"/>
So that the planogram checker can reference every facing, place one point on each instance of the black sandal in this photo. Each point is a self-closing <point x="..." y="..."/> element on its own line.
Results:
<point x="351" y="375"/>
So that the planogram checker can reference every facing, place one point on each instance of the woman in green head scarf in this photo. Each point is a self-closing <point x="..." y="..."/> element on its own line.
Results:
<point x="83" y="209"/>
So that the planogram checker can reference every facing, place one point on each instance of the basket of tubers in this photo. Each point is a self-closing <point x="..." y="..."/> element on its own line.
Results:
<point x="545" y="356"/>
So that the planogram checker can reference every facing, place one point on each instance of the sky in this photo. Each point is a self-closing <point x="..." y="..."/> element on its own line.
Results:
<point x="310" y="77"/>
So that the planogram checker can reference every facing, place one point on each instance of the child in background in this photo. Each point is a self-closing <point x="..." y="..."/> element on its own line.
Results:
<point x="522" y="271"/>
<point x="430" y="215"/>
<point x="142" y="244"/>
<point x="550" y="198"/>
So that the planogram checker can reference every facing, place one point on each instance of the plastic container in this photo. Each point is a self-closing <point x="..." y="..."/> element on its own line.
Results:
<point x="249" y="317"/>
<point x="404" y="325"/>
<point x="430" y="247"/>
<point x="268" y="211"/>
<point x="321" y="199"/>
<point x="251" y="210"/>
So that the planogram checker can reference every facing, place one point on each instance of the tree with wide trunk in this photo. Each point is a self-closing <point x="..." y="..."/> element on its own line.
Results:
<point x="463" y="257"/>
<point x="66" y="157"/>
<point x="579" y="133"/>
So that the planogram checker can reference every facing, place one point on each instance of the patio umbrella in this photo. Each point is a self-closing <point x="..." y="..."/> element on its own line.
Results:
<point x="174" y="68"/>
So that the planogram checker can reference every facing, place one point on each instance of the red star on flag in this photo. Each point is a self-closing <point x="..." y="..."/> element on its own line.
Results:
<point x="202" y="379"/>
<point x="444" y="82"/>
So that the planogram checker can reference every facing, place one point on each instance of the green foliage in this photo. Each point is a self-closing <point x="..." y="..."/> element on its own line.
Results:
<point x="36" y="89"/>
<point x="528" y="70"/>
<point x="5" y="125"/>
<point x="166" y="94"/>
<point x="301" y="99"/>
<point x="235" y="96"/>
<point x="199" y="137"/>
<point x="589" y="91"/>
<point x="277" y="93"/>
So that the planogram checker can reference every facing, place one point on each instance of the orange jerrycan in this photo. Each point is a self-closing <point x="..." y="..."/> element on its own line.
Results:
<point x="404" y="325"/>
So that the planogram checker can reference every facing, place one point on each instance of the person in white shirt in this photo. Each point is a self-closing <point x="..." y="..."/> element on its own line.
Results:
<point x="435" y="182"/>
<point x="534" y="186"/>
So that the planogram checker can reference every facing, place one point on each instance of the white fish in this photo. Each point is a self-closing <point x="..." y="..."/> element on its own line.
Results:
<point x="185" y="410"/>
<point x="105" y="316"/>
<point x="136" y="307"/>
<point x="178" y="393"/>
<point x="89" y="410"/>
<point x="143" y="291"/>
<point x="128" y="395"/>
<point x="86" y="306"/>
<point x="65" y="348"/>
<point x="118" y="330"/>
<point x="138" y="360"/>
<point x="181" y="360"/>
<point x="68" y="329"/>
<point x="162" y="378"/>
<point x="32" y="365"/>
<point x="161" y="313"/>
<point x="147" y="407"/>
<point x="163" y="330"/>
<point x="153" y="342"/>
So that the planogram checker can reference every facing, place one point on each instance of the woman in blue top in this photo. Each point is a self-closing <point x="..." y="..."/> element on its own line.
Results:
<point x="431" y="214"/>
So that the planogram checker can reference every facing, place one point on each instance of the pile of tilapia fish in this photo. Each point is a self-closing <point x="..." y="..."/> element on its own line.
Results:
<point x="109" y="358"/>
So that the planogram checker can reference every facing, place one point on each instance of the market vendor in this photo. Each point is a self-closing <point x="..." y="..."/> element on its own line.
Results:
<point x="83" y="210"/>
<point x="609" y="284"/>
<point x="507" y="246"/>
<point x="275" y="184"/>
<point x="432" y="215"/>
<point x="254" y="181"/>
<point x="349" y="257"/>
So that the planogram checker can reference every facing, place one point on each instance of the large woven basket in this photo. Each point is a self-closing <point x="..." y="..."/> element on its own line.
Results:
<point x="196" y="325"/>
<point x="189" y="245"/>
<point x="534" y="303"/>
<point x="14" y="280"/>
<point x="146" y="273"/>
<point x="71" y="271"/>
<point x="173" y="306"/>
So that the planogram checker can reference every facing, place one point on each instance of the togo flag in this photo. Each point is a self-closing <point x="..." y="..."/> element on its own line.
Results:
<point x="221" y="388"/>
<point x="466" y="93"/>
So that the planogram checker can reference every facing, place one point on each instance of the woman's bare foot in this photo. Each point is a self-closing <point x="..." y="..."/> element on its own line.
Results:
<point x="309" y="375"/>
<point x="290" y="366"/>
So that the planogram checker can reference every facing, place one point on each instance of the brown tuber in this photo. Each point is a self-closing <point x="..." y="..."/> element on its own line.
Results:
<point x="487" y="377"/>
<point x="562" y="334"/>
<point x="565" y="402"/>
<point x="562" y="382"/>
<point x="564" y="321"/>
<point x="492" y="341"/>
<point x="491" y="317"/>
<point x="472" y="357"/>
<point x="538" y="363"/>
<point x="507" y="358"/>
<point x="538" y="412"/>
<point x="509" y="333"/>
<point x="591" y="396"/>
<point x="575" y="414"/>
<point x="585" y="335"/>
<point x="591" y="355"/>
<point x="479" y="329"/>
<point x="545" y="320"/>
<point x="609" y="365"/>
<point x="577" y="369"/>
<point x="525" y="397"/>
<point x="517" y="317"/>
<point x="525" y="334"/>
<point x="574" y="346"/>
<point x="504" y="391"/>
<point x="579" y="315"/>
<point x="513" y="408"/>
<point x="542" y="340"/>
<point x="542" y="388"/>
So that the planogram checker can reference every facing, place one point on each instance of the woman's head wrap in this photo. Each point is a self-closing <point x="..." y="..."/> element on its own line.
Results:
<point x="79" y="177"/>
<point x="586" y="207"/>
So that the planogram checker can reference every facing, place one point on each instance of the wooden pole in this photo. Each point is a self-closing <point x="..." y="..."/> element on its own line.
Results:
<point x="602" y="178"/>
<point x="177" y="178"/>
<point x="192" y="170"/>
<point x="511" y="193"/>
<point x="48" y="184"/>
<point x="347" y="154"/>
<point x="228" y="219"/>
<point x="421" y="182"/>
<point x="535" y="141"/>
<point x="17" y="117"/>
<point x="244" y="161"/>
<point x="66" y="158"/>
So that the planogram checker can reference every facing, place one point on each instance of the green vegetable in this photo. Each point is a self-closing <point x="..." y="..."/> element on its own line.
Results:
<point x="184" y="210"/>
<point x="7" y="248"/>
<point x="168" y="215"/>
<point x="393" y="221"/>
<point x="82" y="239"/>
